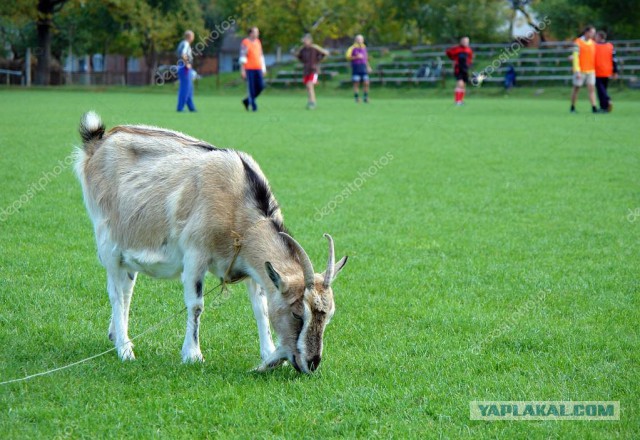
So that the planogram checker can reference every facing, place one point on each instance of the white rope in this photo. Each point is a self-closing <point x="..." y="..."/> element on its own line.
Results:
<point x="44" y="373"/>
<point x="82" y="361"/>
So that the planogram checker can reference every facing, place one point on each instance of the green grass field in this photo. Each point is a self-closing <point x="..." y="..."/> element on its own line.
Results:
<point x="493" y="256"/>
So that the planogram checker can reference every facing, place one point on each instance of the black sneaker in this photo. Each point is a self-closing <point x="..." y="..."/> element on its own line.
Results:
<point x="245" y="102"/>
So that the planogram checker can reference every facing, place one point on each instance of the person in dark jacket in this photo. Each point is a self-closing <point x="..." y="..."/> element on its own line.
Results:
<point x="606" y="67"/>
<point x="310" y="55"/>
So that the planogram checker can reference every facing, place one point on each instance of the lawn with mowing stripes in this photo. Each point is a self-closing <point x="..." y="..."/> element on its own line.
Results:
<point x="493" y="255"/>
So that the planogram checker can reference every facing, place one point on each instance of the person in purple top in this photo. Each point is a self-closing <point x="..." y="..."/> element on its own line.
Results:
<point x="360" y="67"/>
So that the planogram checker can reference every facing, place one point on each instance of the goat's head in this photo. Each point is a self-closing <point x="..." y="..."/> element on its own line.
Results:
<point x="305" y="309"/>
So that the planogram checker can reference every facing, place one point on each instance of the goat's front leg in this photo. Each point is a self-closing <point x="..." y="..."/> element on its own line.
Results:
<point x="195" y="268"/>
<point x="258" y="299"/>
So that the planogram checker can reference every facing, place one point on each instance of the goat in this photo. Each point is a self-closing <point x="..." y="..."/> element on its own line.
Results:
<point x="167" y="204"/>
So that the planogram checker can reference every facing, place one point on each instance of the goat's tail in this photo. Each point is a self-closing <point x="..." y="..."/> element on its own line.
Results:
<point x="91" y="129"/>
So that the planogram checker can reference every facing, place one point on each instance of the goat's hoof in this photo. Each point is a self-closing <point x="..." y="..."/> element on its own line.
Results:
<point x="268" y="366"/>
<point x="125" y="353"/>
<point x="192" y="358"/>
<point x="266" y="355"/>
<point x="262" y="368"/>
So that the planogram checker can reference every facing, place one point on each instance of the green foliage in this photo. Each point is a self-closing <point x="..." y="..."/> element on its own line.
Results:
<point x="567" y="18"/>
<point x="126" y="27"/>
<point x="284" y="23"/>
<point x="214" y="15"/>
<point x="620" y="18"/>
<point x="17" y="26"/>
<point x="448" y="20"/>
<point x="381" y="21"/>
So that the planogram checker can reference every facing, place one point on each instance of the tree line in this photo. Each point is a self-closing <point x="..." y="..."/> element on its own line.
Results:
<point x="147" y="28"/>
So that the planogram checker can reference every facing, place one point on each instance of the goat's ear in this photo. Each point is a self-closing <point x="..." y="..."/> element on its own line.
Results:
<point x="339" y="265"/>
<point x="273" y="275"/>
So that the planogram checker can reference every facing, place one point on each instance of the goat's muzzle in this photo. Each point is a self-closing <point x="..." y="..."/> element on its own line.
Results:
<point x="314" y="363"/>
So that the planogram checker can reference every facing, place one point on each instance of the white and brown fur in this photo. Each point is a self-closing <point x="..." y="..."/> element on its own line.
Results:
<point x="166" y="204"/>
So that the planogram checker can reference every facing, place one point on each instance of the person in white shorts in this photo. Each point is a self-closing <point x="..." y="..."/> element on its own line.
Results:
<point x="584" y="67"/>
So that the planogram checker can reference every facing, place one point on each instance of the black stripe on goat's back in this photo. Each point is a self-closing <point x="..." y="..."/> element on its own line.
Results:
<point x="265" y="201"/>
<point x="259" y="191"/>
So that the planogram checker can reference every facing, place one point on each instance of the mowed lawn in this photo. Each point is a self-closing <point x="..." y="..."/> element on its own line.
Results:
<point x="493" y="255"/>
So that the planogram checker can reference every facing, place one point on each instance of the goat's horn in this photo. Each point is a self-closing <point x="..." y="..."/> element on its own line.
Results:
<point x="331" y="264"/>
<point x="307" y="267"/>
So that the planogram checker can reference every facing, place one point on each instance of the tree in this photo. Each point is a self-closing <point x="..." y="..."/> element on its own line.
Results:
<point x="283" y="23"/>
<point x="620" y="18"/>
<point x="448" y="20"/>
<point x="156" y="25"/>
<point x="523" y="6"/>
<point x="85" y="26"/>
<point x="17" y="27"/>
<point x="381" y="21"/>
<point x="44" y="24"/>
<point x="41" y="12"/>
<point x="130" y="28"/>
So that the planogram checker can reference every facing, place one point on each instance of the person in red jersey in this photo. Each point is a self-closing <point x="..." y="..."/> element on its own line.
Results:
<point x="310" y="55"/>
<point x="606" y="67"/>
<point x="462" y="57"/>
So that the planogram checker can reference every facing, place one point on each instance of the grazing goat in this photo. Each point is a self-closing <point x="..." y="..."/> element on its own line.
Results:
<point x="166" y="204"/>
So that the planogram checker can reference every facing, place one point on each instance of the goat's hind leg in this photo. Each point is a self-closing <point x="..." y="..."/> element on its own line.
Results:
<point x="120" y="285"/>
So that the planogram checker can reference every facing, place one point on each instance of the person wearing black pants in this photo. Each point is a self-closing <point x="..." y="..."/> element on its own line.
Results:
<point x="606" y="67"/>
<point x="603" y="97"/>
<point x="252" y="68"/>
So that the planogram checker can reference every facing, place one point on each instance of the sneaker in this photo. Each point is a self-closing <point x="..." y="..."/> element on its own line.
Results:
<point x="573" y="110"/>
<point x="311" y="106"/>
<point x="366" y="99"/>
<point x="610" y="107"/>
<point x="245" y="102"/>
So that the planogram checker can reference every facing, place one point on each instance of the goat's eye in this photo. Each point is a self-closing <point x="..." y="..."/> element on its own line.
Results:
<point x="295" y="315"/>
